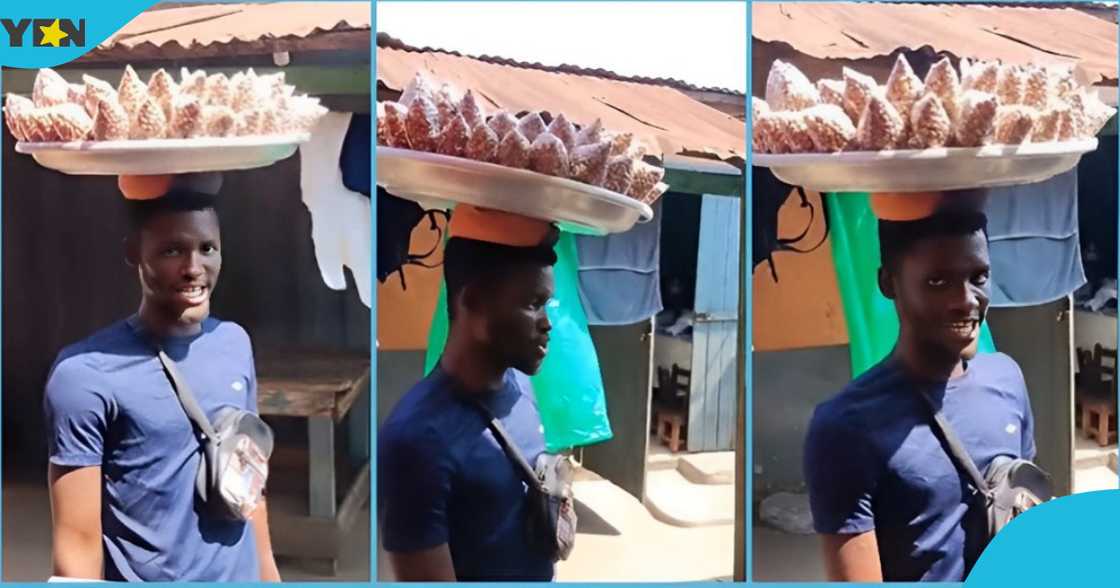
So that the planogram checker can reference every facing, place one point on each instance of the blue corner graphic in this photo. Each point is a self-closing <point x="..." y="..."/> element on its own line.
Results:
<point x="51" y="32"/>
<point x="1064" y="542"/>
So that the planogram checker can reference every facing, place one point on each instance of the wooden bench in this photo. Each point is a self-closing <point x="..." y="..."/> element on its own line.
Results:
<point x="320" y="386"/>
<point x="671" y="407"/>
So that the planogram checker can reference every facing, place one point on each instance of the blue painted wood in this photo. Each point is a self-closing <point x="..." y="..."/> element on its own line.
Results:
<point x="712" y="408"/>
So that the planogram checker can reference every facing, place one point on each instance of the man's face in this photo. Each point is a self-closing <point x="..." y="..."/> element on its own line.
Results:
<point x="942" y="291"/>
<point x="179" y="257"/>
<point x="517" y="319"/>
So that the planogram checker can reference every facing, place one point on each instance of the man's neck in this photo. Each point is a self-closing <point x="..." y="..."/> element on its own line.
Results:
<point x="926" y="364"/>
<point x="161" y="325"/>
<point x="471" y="367"/>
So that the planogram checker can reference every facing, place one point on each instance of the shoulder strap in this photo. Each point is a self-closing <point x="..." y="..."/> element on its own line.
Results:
<point x="182" y="391"/>
<point x="527" y="473"/>
<point x="186" y="398"/>
<point x="956" y="449"/>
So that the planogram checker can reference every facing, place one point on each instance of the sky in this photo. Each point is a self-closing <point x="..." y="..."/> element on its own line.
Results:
<point x="702" y="43"/>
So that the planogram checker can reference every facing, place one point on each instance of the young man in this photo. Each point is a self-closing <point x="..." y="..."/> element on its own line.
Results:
<point x="885" y="496"/>
<point x="453" y="505"/>
<point x="123" y="453"/>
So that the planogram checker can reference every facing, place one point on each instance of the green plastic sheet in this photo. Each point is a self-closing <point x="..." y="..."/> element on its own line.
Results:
<point x="569" y="387"/>
<point x="871" y="318"/>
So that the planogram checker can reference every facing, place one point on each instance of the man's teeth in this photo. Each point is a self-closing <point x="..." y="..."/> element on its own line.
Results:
<point x="195" y="291"/>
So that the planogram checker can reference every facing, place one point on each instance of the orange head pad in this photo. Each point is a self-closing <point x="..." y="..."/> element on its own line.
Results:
<point x="910" y="206"/>
<point x="144" y="187"/>
<point x="495" y="226"/>
<point x="151" y="187"/>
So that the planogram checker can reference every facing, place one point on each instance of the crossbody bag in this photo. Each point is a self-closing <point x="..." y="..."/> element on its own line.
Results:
<point x="550" y="516"/>
<point x="1008" y="488"/>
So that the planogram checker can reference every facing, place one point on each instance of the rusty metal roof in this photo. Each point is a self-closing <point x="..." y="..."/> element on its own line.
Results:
<point x="1012" y="34"/>
<point x="664" y="118"/>
<point x="210" y="30"/>
<point x="387" y="41"/>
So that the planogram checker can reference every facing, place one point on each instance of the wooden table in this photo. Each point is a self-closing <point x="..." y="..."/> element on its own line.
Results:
<point x="320" y="386"/>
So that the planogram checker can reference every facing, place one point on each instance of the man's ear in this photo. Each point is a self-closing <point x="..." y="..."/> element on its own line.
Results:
<point x="886" y="283"/>
<point x="132" y="250"/>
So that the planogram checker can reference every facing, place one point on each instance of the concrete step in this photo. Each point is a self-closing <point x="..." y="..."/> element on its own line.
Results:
<point x="717" y="467"/>
<point x="1095" y="478"/>
<point x="674" y="499"/>
<point x="1087" y="454"/>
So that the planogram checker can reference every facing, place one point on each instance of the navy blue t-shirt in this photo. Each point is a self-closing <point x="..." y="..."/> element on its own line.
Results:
<point x="443" y="478"/>
<point x="872" y="461"/>
<point x="108" y="403"/>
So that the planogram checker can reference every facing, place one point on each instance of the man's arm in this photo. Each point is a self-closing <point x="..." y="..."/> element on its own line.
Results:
<point x="852" y="558"/>
<point x="269" y="571"/>
<point x="428" y="565"/>
<point x="76" y="522"/>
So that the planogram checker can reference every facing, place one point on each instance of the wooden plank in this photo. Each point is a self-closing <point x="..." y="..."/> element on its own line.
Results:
<point x="309" y="382"/>
<point x="346" y="400"/>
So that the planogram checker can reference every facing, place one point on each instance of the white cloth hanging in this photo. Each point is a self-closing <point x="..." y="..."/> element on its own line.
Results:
<point x="340" y="218"/>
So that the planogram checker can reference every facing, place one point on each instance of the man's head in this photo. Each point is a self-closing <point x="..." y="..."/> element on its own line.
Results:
<point x="497" y="297"/>
<point x="175" y="244"/>
<point x="936" y="271"/>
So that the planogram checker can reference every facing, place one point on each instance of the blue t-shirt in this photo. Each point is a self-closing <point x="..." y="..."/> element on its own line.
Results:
<point x="443" y="478"/>
<point x="108" y="403"/>
<point x="872" y="461"/>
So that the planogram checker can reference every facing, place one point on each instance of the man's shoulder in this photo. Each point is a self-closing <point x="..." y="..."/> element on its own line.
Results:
<point x="226" y="330"/>
<point x="90" y="353"/>
<point x="423" y="416"/>
<point x="862" y="405"/>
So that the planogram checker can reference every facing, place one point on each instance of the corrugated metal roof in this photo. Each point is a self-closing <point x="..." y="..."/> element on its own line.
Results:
<point x="664" y="118"/>
<point x="213" y="29"/>
<point x="1013" y="34"/>
<point x="388" y="41"/>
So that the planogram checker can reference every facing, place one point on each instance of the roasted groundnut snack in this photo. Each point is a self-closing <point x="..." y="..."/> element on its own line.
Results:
<point x="930" y="124"/>
<point x="829" y="128"/>
<point x="50" y="89"/>
<point x="942" y="81"/>
<point x="592" y="133"/>
<point x="1014" y="124"/>
<point x="454" y="137"/>
<point x="858" y="90"/>
<point x="588" y="163"/>
<point x="422" y="124"/>
<point x="831" y="92"/>
<point x="1011" y="86"/>
<point x="880" y="127"/>
<point x="645" y="177"/>
<point x="471" y="111"/>
<point x="788" y="89"/>
<point x="547" y="155"/>
<point x="977" y="120"/>
<point x="110" y="123"/>
<point x="619" y="174"/>
<point x="513" y="151"/>
<point x="531" y="126"/>
<point x="483" y="144"/>
<point x="563" y="129"/>
<point x="502" y="122"/>
<point x="904" y="88"/>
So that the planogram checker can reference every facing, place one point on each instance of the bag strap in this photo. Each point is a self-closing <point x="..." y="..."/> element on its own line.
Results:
<point x="186" y="398"/>
<point x="528" y="474"/>
<point x="956" y="449"/>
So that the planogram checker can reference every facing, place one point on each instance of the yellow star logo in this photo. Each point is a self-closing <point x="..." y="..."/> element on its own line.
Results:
<point x="52" y="34"/>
